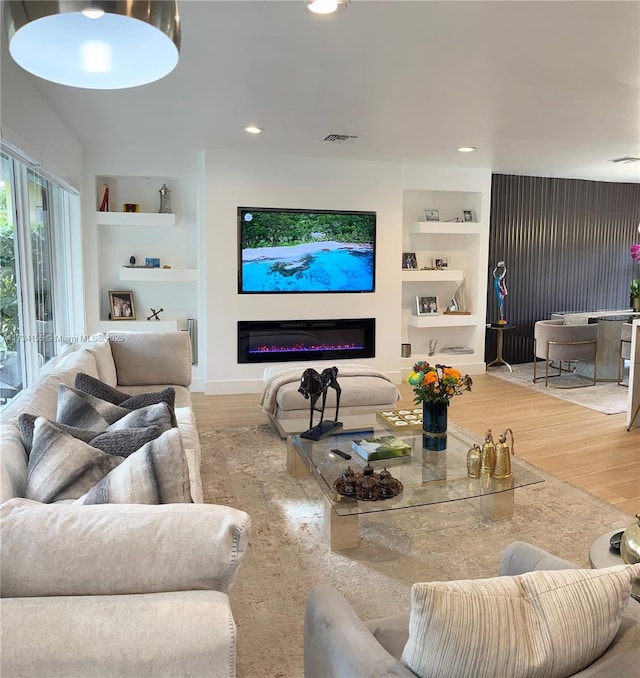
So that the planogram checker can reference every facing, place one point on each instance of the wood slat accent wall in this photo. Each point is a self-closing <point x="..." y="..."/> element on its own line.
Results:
<point x="566" y="244"/>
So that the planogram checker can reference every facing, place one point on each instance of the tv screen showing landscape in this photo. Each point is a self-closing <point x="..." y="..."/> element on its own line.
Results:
<point x="305" y="251"/>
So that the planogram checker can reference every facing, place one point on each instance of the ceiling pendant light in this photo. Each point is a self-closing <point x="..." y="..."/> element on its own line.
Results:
<point x="94" y="44"/>
<point x="326" y="6"/>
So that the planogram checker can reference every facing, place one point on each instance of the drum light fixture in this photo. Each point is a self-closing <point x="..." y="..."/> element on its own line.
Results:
<point x="94" y="44"/>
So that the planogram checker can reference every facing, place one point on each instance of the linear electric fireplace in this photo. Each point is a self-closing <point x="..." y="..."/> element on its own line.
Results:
<point x="270" y="341"/>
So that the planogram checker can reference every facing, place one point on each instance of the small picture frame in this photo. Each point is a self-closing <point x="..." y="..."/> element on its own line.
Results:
<point x="121" y="305"/>
<point x="409" y="261"/>
<point x="152" y="262"/>
<point x="440" y="262"/>
<point x="467" y="215"/>
<point x="426" y="305"/>
<point x="432" y="215"/>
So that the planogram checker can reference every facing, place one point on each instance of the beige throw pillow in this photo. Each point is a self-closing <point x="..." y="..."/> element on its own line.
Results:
<point x="547" y="624"/>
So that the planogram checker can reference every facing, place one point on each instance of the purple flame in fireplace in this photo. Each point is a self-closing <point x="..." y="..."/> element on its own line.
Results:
<point x="304" y="347"/>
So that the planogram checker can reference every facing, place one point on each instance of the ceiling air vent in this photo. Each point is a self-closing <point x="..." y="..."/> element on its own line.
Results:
<point x="626" y="159"/>
<point x="338" y="138"/>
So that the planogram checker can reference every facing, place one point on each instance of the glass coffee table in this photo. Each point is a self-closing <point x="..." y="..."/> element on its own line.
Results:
<point x="427" y="478"/>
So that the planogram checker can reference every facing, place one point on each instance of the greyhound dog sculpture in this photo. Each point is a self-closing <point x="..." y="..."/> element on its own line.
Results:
<point x="312" y="386"/>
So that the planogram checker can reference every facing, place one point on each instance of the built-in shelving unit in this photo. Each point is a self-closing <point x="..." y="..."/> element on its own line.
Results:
<point x="447" y="275"/>
<point x="138" y="326"/>
<point x="464" y="246"/>
<point x="444" y="320"/>
<point x="158" y="274"/>
<point x="172" y="238"/>
<point x="135" y="219"/>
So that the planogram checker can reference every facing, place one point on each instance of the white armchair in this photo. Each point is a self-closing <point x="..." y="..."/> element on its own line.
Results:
<point x="556" y="342"/>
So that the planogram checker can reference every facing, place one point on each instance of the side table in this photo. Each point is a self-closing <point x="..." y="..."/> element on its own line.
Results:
<point x="499" y="360"/>
<point x="600" y="555"/>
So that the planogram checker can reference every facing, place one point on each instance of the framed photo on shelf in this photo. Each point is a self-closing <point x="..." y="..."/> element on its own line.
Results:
<point x="152" y="262"/>
<point x="467" y="215"/>
<point x="426" y="306"/>
<point x="121" y="305"/>
<point x="432" y="215"/>
<point x="441" y="262"/>
<point x="409" y="261"/>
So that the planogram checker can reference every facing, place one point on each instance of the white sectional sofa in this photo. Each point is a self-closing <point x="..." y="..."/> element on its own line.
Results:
<point x="115" y="589"/>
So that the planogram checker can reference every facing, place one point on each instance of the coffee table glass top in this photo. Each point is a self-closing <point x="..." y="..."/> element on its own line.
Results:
<point x="427" y="477"/>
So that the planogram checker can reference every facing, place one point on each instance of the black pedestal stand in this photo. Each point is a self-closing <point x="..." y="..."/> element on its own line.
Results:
<point x="322" y="430"/>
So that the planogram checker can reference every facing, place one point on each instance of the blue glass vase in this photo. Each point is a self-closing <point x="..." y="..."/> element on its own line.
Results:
<point x="434" y="425"/>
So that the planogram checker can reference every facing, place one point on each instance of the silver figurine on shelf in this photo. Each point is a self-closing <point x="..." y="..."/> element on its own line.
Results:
<point x="165" y="200"/>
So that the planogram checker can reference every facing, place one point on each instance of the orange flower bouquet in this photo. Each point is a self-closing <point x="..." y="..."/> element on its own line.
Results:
<point x="437" y="383"/>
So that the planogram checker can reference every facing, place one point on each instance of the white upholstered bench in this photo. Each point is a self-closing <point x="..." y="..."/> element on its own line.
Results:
<point x="364" y="391"/>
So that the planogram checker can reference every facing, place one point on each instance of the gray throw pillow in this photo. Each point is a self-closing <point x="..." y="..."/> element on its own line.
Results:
<point x="26" y="423"/>
<point x="82" y="410"/>
<point x="155" y="474"/>
<point x="121" y="442"/>
<point x="63" y="467"/>
<point x="95" y="387"/>
<point x="152" y="415"/>
<point x="126" y="441"/>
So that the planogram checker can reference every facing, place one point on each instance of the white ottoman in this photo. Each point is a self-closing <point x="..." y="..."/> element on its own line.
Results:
<point x="364" y="391"/>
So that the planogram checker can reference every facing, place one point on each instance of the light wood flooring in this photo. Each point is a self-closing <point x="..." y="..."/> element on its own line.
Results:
<point x="590" y="450"/>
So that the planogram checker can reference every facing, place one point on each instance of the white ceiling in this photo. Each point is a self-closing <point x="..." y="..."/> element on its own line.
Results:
<point x="539" y="87"/>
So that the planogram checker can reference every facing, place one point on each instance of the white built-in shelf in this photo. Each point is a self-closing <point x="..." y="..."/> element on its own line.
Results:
<point x="448" y="227"/>
<point x="447" y="275"/>
<point x="142" y="325"/>
<point x="135" y="219"/>
<point x="442" y="320"/>
<point x="442" y="358"/>
<point x="158" y="274"/>
<point x="467" y="363"/>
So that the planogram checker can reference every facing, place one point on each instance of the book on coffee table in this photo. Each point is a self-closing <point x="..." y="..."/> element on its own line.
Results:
<point x="383" y="447"/>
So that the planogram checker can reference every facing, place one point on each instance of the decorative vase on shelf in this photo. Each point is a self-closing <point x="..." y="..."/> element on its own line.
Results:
<point x="635" y="303"/>
<point x="165" y="200"/>
<point x="434" y="425"/>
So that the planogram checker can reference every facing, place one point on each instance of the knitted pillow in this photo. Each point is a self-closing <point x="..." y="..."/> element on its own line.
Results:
<point x="121" y="442"/>
<point x="543" y="623"/>
<point x="26" y="423"/>
<point x="95" y="387"/>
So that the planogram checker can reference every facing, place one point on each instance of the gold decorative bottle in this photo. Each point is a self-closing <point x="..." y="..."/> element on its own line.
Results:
<point x="503" y="454"/>
<point x="474" y="461"/>
<point x="488" y="456"/>
<point x="630" y="543"/>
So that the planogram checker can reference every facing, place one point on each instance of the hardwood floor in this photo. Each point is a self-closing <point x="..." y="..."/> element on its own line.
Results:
<point x="588" y="449"/>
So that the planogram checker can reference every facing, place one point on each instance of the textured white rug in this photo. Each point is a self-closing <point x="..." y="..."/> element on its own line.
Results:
<point x="605" y="397"/>
<point x="245" y="467"/>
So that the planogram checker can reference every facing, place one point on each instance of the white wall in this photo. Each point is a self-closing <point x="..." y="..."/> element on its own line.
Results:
<point x="233" y="180"/>
<point x="30" y="124"/>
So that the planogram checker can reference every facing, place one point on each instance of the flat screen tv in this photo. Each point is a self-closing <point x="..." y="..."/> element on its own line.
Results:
<point x="305" y="251"/>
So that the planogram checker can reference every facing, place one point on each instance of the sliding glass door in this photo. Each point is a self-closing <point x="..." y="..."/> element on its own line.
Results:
<point x="34" y="317"/>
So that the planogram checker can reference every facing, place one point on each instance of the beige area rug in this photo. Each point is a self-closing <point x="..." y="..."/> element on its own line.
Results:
<point x="245" y="467"/>
<point x="605" y="397"/>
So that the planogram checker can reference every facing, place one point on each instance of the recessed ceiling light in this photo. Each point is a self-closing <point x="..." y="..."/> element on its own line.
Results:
<point x="326" y="6"/>
<point x="253" y="129"/>
<point x="467" y="149"/>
